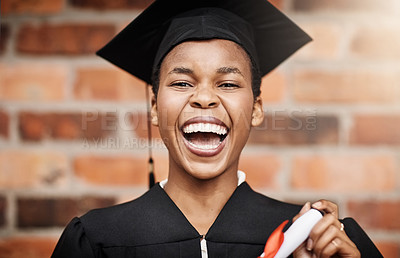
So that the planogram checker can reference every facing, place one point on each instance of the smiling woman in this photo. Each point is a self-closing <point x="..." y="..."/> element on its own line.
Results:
<point x="207" y="57"/>
<point x="215" y="103"/>
<point x="210" y="94"/>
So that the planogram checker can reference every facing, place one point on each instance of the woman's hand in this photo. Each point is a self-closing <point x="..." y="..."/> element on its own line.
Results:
<point x="327" y="238"/>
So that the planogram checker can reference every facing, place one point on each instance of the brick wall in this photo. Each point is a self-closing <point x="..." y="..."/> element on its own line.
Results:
<point x="72" y="127"/>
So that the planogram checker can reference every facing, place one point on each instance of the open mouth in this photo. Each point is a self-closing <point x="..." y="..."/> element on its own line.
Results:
<point x="204" y="136"/>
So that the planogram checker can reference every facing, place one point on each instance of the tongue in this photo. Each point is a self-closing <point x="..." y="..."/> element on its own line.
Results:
<point x="204" y="139"/>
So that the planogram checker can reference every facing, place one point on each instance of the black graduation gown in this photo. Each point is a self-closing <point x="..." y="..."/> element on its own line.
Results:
<point x="153" y="226"/>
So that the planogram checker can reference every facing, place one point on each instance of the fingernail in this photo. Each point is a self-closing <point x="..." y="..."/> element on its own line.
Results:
<point x="306" y="207"/>
<point x="317" y="205"/>
<point x="309" y="244"/>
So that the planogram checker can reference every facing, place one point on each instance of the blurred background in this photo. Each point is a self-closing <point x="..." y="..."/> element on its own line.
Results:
<point x="73" y="135"/>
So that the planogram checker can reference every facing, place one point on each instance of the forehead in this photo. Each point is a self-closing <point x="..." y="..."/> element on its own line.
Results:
<point x="215" y="51"/>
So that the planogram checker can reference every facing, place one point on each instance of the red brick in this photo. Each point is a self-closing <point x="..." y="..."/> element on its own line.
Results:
<point x="346" y="86"/>
<point x="326" y="42"/>
<point x="116" y="4"/>
<point x="273" y="87"/>
<point x="3" y="210"/>
<point x="381" y="214"/>
<point x="388" y="249"/>
<point x="261" y="174"/>
<point x="67" y="126"/>
<point x="31" y="6"/>
<point x="111" y="170"/>
<point x="295" y="128"/>
<point x="139" y="124"/>
<point x="344" y="173"/>
<point x="108" y="84"/>
<point x="160" y="165"/>
<point x="33" y="82"/>
<point x="160" y="161"/>
<point x="50" y="212"/>
<point x="375" y="130"/>
<point x="119" y="170"/>
<point x="32" y="247"/>
<point x="160" y="170"/>
<point x="4" y="124"/>
<point x="377" y="42"/>
<point x="32" y="126"/>
<point x="344" y="5"/>
<point x="4" y="36"/>
<point x="63" y="39"/>
<point x="277" y="3"/>
<point x="25" y="169"/>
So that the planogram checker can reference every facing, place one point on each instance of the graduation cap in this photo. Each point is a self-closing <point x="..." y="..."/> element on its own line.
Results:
<point x="265" y="33"/>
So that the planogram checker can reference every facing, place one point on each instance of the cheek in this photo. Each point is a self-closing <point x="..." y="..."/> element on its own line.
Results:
<point x="169" y="107"/>
<point x="240" y="108"/>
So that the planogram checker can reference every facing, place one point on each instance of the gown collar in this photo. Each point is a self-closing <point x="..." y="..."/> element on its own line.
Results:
<point x="240" y="174"/>
<point x="247" y="217"/>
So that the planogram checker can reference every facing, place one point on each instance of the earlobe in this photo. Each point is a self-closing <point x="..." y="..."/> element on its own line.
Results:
<point x="258" y="112"/>
<point x="153" y="112"/>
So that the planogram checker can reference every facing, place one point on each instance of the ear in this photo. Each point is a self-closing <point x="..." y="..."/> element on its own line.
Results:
<point x="257" y="116"/>
<point x="153" y="111"/>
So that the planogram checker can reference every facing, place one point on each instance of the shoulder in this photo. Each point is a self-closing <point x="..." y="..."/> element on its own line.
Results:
<point x="256" y="200"/>
<point x="104" y="215"/>
<point x="112" y="225"/>
<point x="74" y="242"/>
<point x="364" y="244"/>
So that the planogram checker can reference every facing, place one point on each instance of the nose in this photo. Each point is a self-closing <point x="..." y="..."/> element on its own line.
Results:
<point x="204" y="97"/>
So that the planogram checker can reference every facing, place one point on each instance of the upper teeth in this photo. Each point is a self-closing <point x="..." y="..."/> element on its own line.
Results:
<point x="205" y="128"/>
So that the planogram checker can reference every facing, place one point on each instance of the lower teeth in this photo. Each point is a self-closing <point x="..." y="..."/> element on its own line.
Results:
<point x="205" y="147"/>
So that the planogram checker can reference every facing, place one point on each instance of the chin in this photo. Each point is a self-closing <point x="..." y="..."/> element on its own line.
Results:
<point x="205" y="171"/>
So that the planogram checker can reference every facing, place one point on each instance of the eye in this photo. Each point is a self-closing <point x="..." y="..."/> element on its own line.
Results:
<point x="181" y="85"/>
<point x="229" y="86"/>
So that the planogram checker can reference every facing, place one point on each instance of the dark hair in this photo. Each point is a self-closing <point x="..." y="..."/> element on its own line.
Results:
<point x="255" y="78"/>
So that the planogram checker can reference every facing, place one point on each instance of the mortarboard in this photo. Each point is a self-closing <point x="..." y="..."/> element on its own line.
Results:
<point x="265" y="33"/>
<point x="166" y="23"/>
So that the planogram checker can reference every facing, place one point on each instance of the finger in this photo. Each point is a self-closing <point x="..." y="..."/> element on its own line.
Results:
<point x="301" y="251"/>
<point x="327" y="207"/>
<point x="321" y="227"/>
<point x="329" y="237"/>
<point x="327" y="233"/>
<point x="331" y="249"/>
<point x="306" y="207"/>
<point x="341" y="248"/>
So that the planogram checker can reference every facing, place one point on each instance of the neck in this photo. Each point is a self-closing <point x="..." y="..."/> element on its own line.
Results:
<point x="201" y="200"/>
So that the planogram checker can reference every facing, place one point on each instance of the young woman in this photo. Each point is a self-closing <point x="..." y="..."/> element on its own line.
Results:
<point x="205" y="61"/>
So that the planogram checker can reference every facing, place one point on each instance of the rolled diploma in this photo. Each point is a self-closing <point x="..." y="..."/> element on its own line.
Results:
<point x="298" y="232"/>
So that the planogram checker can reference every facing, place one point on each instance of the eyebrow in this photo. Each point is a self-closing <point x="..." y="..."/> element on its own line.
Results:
<point x="221" y="70"/>
<point x="228" y="69"/>
<point x="181" y="70"/>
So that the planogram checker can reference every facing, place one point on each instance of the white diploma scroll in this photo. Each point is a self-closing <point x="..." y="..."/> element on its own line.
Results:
<point x="298" y="232"/>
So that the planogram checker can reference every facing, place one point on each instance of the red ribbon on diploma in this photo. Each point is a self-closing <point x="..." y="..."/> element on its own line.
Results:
<point x="274" y="242"/>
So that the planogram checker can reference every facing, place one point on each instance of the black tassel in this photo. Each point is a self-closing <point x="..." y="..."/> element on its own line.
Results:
<point x="149" y="141"/>
<point x="151" y="173"/>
